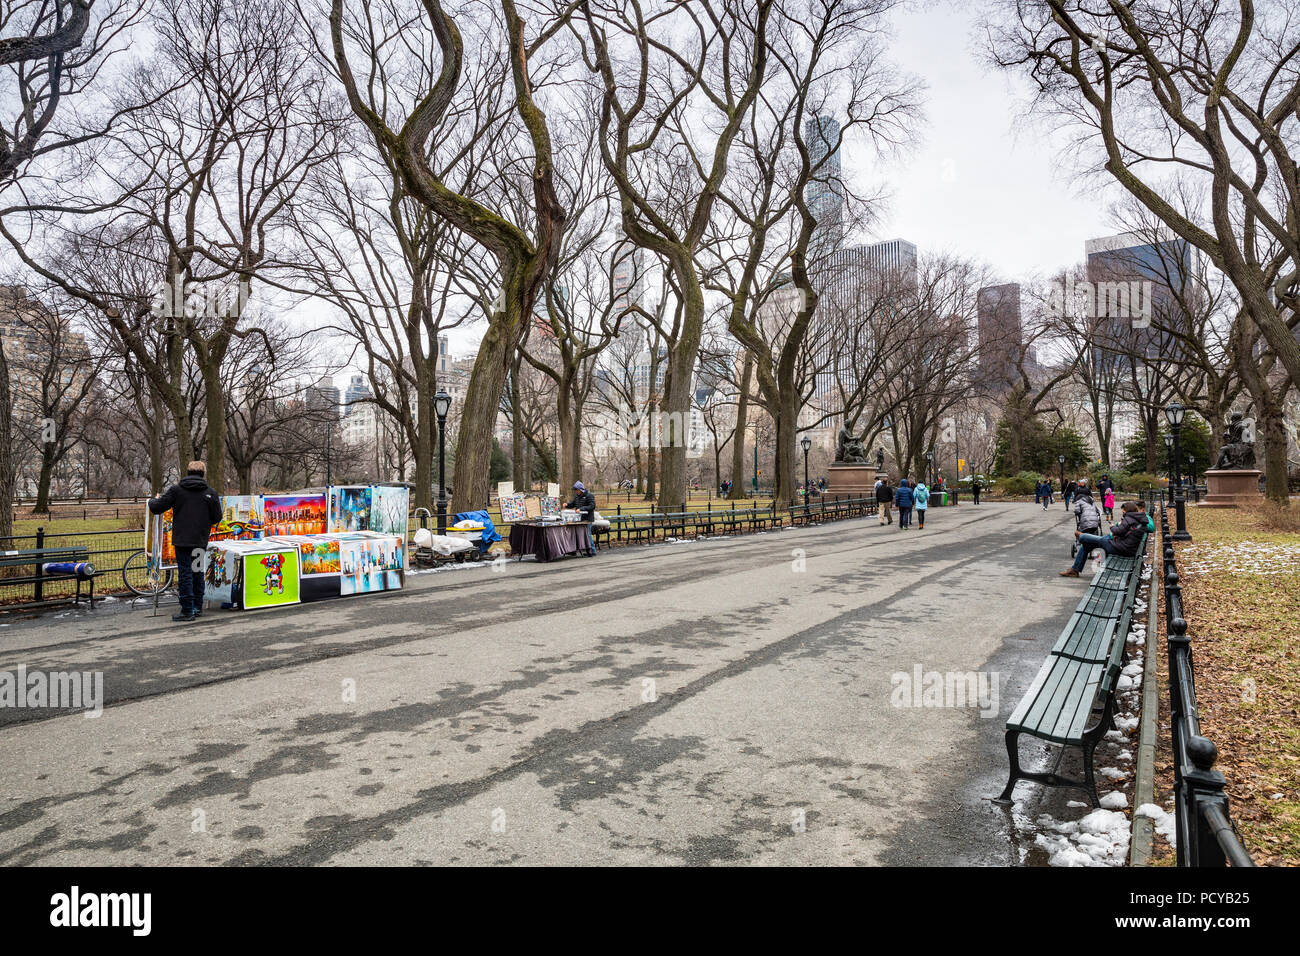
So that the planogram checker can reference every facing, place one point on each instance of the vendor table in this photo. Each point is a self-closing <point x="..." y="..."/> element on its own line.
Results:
<point x="547" y="541"/>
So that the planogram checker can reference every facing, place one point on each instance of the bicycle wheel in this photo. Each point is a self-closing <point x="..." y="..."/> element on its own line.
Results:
<point x="136" y="576"/>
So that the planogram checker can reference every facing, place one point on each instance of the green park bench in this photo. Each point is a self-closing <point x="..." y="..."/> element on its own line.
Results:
<point x="1071" y="701"/>
<point x="37" y="559"/>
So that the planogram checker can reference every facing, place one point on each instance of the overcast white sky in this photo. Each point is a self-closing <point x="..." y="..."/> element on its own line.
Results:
<point x="1004" y="199"/>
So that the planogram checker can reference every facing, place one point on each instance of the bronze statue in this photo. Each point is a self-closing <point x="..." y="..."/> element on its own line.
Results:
<point x="848" y="448"/>
<point x="1236" y="453"/>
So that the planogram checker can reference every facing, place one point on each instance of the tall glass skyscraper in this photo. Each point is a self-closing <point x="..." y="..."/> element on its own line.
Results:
<point x="825" y="191"/>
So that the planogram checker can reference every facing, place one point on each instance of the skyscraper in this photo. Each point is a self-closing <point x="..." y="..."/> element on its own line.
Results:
<point x="824" y="193"/>
<point x="1133" y="283"/>
<point x="357" y="389"/>
<point x="1000" y="333"/>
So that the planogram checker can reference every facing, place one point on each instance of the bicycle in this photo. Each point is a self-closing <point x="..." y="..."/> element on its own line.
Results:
<point x="137" y="568"/>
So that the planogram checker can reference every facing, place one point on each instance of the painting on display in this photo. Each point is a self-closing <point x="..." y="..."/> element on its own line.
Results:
<point x="512" y="509"/>
<point x="222" y="565"/>
<point x="293" y="514"/>
<point x="389" y="507"/>
<point x="349" y="509"/>
<point x="318" y="555"/>
<point x="242" y="519"/>
<point x="371" y="563"/>
<point x="550" y="505"/>
<point x="270" y="578"/>
<point x="158" y="544"/>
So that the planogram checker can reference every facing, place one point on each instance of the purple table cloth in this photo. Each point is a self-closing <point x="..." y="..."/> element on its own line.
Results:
<point x="547" y="542"/>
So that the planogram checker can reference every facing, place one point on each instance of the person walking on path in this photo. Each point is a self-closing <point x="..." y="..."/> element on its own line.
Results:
<point x="921" y="495"/>
<point x="1108" y="502"/>
<point x="884" y="499"/>
<point x="195" y="509"/>
<point x="904" y="500"/>
<point x="1069" y="491"/>
<point x="1123" y="539"/>
<point x="975" y="489"/>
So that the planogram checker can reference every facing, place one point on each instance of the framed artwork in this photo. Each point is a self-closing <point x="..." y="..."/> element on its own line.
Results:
<point x="221" y="566"/>
<point x="293" y="514"/>
<point x="349" y="509"/>
<point x="371" y="563"/>
<point x="512" y="509"/>
<point x="241" y="519"/>
<point x="270" y="578"/>
<point x="319" y="554"/>
<point x="158" y="546"/>
<point x="389" y="507"/>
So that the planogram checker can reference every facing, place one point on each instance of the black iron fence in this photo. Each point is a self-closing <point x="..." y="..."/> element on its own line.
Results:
<point x="1205" y="834"/>
<point x="108" y="551"/>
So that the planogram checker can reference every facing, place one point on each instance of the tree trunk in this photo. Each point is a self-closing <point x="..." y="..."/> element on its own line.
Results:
<point x="1272" y="431"/>
<point x="6" y="453"/>
<point x="472" y="483"/>
<point x="43" y="481"/>
<point x="738" y="436"/>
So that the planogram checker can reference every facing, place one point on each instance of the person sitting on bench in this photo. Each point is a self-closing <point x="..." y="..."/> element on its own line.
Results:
<point x="1123" y="539"/>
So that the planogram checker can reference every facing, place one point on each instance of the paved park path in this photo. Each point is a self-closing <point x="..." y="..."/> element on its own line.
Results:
<point x="725" y="700"/>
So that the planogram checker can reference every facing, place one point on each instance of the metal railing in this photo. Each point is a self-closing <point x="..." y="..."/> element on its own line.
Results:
<point x="107" y="550"/>
<point x="1206" y="836"/>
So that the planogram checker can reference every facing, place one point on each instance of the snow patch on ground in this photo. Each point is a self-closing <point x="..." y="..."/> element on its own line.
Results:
<point x="1098" y="839"/>
<point x="1165" y="823"/>
<point x="1249" y="557"/>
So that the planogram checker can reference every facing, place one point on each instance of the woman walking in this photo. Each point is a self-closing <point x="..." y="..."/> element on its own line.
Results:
<point x="921" y="495"/>
<point x="904" y="500"/>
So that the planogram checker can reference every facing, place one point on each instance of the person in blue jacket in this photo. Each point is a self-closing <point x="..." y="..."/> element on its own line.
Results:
<point x="904" y="500"/>
<point x="921" y="495"/>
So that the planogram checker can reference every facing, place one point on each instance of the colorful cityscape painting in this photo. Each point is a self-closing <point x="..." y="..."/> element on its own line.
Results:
<point x="371" y="563"/>
<point x="349" y="509"/>
<point x="293" y="514"/>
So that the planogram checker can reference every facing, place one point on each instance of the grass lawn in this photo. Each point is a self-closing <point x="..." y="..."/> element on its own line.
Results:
<point x="72" y="525"/>
<point x="1241" y="590"/>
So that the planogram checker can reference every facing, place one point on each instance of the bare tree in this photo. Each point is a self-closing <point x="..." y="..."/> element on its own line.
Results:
<point x="1178" y="96"/>
<point x="525" y="252"/>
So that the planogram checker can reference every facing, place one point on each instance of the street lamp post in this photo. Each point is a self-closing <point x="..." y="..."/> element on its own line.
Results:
<point x="929" y="465"/>
<point x="1191" y="467"/>
<point x="1174" y="413"/>
<point x="1169" y="464"/>
<point x="805" y="443"/>
<point x="1060" y="460"/>
<point x="441" y="405"/>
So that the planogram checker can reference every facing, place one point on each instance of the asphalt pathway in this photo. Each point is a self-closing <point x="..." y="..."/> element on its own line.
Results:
<point x="730" y="700"/>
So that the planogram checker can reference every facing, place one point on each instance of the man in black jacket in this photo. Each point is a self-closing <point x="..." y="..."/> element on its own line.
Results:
<point x="884" y="500"/>
<point x="585" y="502"/>
<point x="195" y="509"/>
<point x="1123" y="540"/>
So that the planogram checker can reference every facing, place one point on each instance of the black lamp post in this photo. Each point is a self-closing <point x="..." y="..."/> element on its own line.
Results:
<point x="1174" y="414"/>
<point x="805" y="443"/>
<point x="1169" y="464"/>
<point x="1060" y="460"/>
<point x="1191" y="467"/>
<point x="929" y="462"/>
<point x="441" y="405"/>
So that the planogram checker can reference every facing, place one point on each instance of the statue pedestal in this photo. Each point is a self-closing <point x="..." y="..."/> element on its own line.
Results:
<point x="850" y="480"/>
<point x="1228" y="488"/>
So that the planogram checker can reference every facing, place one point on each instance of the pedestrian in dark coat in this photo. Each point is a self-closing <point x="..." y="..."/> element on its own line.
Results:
<point x="195" y="509"/>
